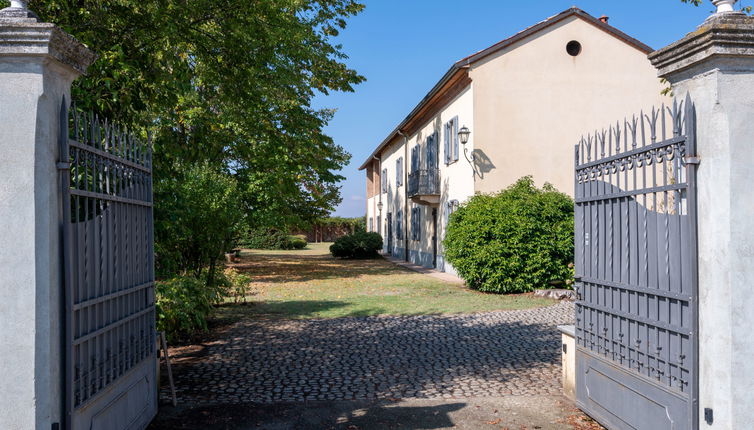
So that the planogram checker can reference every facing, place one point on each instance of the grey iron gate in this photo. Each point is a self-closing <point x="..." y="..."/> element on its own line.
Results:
<point x="108" y="265"/>
<point x="636" y="272"/>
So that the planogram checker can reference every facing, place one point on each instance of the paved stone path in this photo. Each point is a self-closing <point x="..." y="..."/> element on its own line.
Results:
<point x="426" y="357"/>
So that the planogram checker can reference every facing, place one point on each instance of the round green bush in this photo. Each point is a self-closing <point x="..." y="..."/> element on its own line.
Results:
<point x="298" y="241"/>
<point x="360" y="245"/>
<point x="516" y="241"/>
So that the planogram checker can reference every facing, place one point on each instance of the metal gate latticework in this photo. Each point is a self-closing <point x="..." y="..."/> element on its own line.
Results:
<point x="636" y="271"/>
<point x="109" y="274"/>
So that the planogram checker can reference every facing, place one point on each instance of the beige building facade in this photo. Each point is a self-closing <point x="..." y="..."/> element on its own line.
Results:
<point x="526" y="102"/>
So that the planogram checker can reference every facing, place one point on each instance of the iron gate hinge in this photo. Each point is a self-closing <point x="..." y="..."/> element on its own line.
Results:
<point x="692" y="160"/>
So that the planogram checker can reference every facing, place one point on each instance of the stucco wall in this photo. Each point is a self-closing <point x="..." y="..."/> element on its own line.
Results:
<point x="457" y="184"/>
<point x="533" y="101"/>
<point x="32" y="90"/>
<point x="393" y="198"/>
<point x="457" y="178"/>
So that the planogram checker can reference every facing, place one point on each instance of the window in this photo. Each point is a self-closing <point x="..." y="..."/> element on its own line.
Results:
<point x="414" y="158"/>
<point x="399" y="172"/>
<point x="379" y="225"/>
<point x="371" y="224"/>
<point x="450" y="208"/>
<point x="451" y="141"/>
<point x="432" y="148"/>
<point x="384" y="180"/>
<point x="416" y="223"/>
<point x="399" y="225"/>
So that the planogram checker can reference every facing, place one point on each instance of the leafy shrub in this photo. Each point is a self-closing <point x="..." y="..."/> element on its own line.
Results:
<point x="185" y="302"/>
<point x="183" y="305"/>
<point x="198" y="218"/>
<point x="358" y="245"/>
<point x="239" y="284"/>
<point x="515" y="241"/>
<point x="298" y="241"/>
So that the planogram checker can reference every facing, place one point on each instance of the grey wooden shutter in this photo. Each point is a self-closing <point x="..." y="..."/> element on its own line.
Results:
<point x="447" y="147"/>
<point x="413" y="223"/>
<point x="454" y="134"/>
<point x="418" y="224"/>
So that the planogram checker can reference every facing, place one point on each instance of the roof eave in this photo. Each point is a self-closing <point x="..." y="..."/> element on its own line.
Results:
<point x="468" y="61"/>
<point x="396" y="132"/>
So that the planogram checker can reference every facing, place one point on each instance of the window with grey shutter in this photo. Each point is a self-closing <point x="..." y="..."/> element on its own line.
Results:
<point x="455" y="138"/>
<point x="384" y="180"/>
<point x="451" y="141"/>
<point x="416" y="224"/>
<point x="447" y="147"/>
<point x="432" y="161"/>
<point x="399" y="172"/>
<point x="399" y="225"/>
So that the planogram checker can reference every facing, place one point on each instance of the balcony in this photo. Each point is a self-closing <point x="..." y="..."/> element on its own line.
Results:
<point x="424" y="186"/>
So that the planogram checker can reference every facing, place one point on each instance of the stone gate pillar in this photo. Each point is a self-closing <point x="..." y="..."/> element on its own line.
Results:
<point x="38" y="63"/>
<point x="715" y="65"/>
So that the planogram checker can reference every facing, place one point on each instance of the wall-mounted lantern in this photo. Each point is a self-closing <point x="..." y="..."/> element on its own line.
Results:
<point x="463" y="135"/>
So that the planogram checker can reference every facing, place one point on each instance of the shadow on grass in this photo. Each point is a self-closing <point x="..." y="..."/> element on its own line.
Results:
<point x="320" y="415"/>
<point x="294" y="309"/>
<point x="274" y="268"/>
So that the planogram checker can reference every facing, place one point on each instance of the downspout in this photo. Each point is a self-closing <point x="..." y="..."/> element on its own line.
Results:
<point x="405" y="192"/>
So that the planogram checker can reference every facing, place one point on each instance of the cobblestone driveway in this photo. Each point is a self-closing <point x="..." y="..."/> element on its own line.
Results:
<point x="491" y="354"/>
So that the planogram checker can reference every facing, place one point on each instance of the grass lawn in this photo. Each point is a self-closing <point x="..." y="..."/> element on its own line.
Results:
<point x="312" y="284"/>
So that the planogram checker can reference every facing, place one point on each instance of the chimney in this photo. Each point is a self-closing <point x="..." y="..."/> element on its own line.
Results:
<point x="605" y="18"/>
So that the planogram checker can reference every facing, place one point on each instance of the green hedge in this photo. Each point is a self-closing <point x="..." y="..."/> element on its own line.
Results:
<point x="360" y="245"/>
<point x="272" y="239"/>
<point x="515" y="241"/>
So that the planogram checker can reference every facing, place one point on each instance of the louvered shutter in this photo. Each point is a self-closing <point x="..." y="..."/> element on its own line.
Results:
<point x="455" y="138"/>
<point x="447" y="147"/>
<point x="418" y="224"/>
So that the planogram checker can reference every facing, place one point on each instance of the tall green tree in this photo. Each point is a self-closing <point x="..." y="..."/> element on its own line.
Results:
<point x="222" y="83"/>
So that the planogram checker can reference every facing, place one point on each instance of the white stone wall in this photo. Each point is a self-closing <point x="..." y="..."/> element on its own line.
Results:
<point x="37" y="66"/>
<point x="457" y="183"/>
<point x="533" y="101"/>
<point x="457" y="178"/>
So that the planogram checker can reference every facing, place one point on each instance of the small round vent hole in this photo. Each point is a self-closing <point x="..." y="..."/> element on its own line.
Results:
<point x="573" y="48"/>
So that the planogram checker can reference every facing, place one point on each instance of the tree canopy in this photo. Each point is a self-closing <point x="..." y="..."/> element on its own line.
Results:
<point x="225" y="83"/>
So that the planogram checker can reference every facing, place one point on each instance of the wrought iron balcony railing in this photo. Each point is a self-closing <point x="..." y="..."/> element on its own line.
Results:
<point x="424" y="183"/>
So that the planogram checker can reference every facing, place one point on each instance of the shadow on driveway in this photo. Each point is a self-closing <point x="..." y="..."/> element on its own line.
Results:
<point x="514" y="413"/>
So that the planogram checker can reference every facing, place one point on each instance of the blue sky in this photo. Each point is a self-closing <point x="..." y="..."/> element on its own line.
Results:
<point x="403" y="47"/>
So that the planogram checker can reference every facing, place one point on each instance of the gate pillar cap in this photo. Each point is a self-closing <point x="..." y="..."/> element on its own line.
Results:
<point x="727" y="34"/>
<point x="18" y="10"/>
<point x="22" y="35"/>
